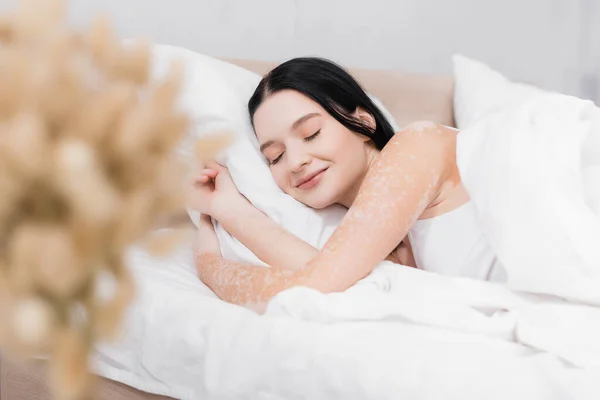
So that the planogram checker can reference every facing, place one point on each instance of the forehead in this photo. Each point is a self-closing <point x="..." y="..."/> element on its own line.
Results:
<point x="280" y="110"/>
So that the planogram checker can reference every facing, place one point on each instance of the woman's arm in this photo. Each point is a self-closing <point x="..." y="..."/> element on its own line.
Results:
<point x="402" y="182"/>
<point x="215" y="194"/>
<point x="206" y="238"/>
<point x="265" y="238"/>
<point x="247" y="285"/>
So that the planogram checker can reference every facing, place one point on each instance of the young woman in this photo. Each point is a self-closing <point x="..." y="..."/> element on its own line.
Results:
<point x="326" y="143"/>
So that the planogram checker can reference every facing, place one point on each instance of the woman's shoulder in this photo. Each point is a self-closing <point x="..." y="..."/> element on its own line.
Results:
<point x="424" y="143"/>
<point x="426" y="127"/>
<point x="426" y="136"/>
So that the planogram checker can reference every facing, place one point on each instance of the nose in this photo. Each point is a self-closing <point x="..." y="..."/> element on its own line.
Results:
<point x="297" y="159"/>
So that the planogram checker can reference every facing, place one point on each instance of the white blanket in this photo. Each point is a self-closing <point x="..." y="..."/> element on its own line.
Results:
<point x="532" y="171"/>
<point x="405" y="333"/>
<point x="398" y="333"/>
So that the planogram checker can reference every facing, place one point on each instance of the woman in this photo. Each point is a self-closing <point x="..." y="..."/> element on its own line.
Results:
<point x="326" y="143"/>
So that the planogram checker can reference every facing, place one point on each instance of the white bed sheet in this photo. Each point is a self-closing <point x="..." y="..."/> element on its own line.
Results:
<point x="182" y="342"/>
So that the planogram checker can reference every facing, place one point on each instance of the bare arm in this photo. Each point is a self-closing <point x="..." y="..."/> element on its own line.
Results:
<point x="400" y="185"/>
<point x="266" y="239"/>
<point x="206" y="238"/>
<point x="273" y="244"/>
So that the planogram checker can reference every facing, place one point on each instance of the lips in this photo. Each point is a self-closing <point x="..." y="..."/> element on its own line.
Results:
<point x="309" y="180"/>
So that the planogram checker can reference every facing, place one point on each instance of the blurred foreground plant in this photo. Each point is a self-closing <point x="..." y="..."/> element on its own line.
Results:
<point x="87" y="167"/>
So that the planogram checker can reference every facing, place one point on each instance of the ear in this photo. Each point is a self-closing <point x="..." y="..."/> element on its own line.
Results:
<point x="365" y="116"/>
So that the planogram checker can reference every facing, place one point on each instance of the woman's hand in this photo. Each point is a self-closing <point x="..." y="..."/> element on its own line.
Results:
<point x="213" y="191"/>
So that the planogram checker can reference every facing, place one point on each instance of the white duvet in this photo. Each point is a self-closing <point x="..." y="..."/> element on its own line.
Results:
<point x="400" y="333"/>
<point x="532" y="172"/>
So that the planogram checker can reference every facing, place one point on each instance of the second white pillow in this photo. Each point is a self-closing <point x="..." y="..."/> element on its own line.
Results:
<point x="480" y="90"/>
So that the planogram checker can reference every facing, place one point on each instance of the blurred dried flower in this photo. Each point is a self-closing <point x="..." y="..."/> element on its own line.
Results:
<point x="70" y="378"/>
<point x="33" y="323"/>
<point x="87" y="168"/>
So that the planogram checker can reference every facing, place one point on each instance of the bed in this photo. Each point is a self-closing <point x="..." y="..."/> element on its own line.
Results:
<point x="409" y="97"/>
<point x="399" y="332"/>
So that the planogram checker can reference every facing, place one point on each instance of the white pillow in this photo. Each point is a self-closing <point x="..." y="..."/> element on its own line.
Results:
<point x="480" y="90"/>
<point x="216" y="94"/>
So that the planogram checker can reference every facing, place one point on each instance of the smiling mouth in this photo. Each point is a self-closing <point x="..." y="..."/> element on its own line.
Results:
<point x="312" y="182"/>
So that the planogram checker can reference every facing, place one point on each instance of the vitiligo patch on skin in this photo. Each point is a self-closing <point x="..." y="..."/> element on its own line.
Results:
<point x="424" y="126"/>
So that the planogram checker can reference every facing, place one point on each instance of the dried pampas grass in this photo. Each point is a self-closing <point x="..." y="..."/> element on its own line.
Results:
<point x="87" y="167"/>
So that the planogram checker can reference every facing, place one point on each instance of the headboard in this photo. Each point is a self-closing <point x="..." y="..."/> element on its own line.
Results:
<point x="409" y="97"/>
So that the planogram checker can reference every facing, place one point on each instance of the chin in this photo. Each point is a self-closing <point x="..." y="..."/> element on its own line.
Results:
<point x="323" y="197"/>
<point x="319" y="206"/>
<point x="318" y="203"/>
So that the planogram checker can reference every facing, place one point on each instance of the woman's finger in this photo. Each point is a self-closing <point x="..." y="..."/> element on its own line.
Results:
<point x="209" y="172"/>
<point x="203" y="179"/>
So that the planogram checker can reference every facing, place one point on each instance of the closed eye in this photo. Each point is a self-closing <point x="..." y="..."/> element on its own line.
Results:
<point x="308" y="139"/>
<point x="311" y="137"/>
<point x="276" y="160"/>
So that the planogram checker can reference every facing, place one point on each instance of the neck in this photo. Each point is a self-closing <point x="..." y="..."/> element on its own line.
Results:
<point x="351" y="194"/>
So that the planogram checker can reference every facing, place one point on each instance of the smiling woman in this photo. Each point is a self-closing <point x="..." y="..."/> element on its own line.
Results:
<point x="327" y="143"/>
<point x="302" y="99"/>
<point x="301" y="140"/>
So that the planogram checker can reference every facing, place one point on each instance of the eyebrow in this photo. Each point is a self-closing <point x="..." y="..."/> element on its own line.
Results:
<point x="295" y="126"/>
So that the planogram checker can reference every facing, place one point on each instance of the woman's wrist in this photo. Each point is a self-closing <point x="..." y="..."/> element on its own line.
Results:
<point x="206" y="241"/>
<point x="231" y="211"/>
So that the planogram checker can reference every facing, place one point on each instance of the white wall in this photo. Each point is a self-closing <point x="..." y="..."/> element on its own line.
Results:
<point x="553" y="43"/>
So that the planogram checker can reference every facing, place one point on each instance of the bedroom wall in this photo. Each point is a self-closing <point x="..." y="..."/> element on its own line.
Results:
<point x="553" y="43"/>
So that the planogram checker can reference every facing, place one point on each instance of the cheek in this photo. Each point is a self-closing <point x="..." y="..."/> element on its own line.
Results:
<point x="343" y="151"/>
<point x="331" y="148"/>
<point x="281" y="178"/>
<point x="351" y="162"/>
<point x="342" y="144"/>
